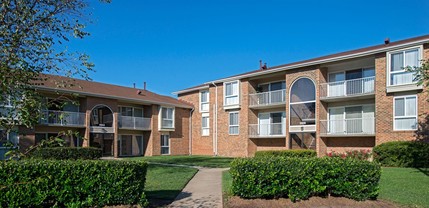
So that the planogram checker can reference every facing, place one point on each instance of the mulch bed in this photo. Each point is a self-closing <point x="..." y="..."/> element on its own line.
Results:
<point x="236" y="202"/>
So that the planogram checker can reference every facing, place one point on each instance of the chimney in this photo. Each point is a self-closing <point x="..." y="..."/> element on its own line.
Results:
<point x="144" y="85"/>
<point x="386" y="41"/>
<point x="265" y="66"/>
<point x="134" y="85"/>
<point x="260" y="64"/>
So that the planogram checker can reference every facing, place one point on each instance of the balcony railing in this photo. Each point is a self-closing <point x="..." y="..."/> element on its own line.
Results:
<point x="129" y="122"/>
<point x="62" y="118"/>
<point x="354" y="126"/>
<point x="346" y="88"/>
<point x="267" y="130"/>
<point x="267" y="98"/>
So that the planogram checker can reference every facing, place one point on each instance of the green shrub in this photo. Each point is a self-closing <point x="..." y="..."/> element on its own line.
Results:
<point x="402" y="154"/>
<point x="354" y="154"/>
<point x="65" y="153"/>
<point x="287" y="153"/>
<point x="301" y="178"/>
<point x="71" y="183"/>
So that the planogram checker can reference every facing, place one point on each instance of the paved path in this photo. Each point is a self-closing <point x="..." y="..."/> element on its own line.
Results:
<point x="204" y="190"/>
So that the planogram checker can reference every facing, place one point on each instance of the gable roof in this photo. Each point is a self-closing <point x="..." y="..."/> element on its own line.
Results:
<point x="98" y="89"/>
<point x="323" y="59"/>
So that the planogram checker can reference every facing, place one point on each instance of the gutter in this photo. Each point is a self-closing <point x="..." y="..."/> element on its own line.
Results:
<point x="215" y="138"/>
<point x="190" y="131"/>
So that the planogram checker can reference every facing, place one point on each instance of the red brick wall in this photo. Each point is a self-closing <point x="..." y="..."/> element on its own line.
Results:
<point x="384" y="104"/>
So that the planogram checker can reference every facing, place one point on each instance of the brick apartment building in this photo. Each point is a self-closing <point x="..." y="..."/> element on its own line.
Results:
<point x="122" y="121"/>
<point x="350" y="100"/>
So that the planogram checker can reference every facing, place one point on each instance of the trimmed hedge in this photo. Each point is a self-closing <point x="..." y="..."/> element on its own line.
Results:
<point x="287" y="153"/>
<point x="302" y="178"/>
<point x="67" y="153"/>
<point x="402" y="154"/>
<point x="72" y="183"/>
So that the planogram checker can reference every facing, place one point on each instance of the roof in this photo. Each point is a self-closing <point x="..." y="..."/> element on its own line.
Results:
<point x="98" y="89"/>
<point x="323" y="59"/>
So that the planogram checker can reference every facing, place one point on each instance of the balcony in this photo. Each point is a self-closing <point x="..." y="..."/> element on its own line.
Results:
<point x="7" y="112"/>
<point x="348" y="127"/>
<point x="62" y="118"/>
<point x="341" y="90"/>
<point x="267" y="99"/>
<point x="276" y="130"/>
<point x="136" y="123"/>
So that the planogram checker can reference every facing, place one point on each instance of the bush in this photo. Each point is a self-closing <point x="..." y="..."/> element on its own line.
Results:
<point x="71" y="183"/>
<point x="65" y="153"/>
<point x="402" y="154"/>
<point x="287" y="153"/>
<point x="301" y="178"/>
<point x="353" y="154"/>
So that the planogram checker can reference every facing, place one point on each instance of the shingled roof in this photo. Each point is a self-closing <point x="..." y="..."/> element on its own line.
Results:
<point x="323" y="59"/>
<point x="98" y="89"/>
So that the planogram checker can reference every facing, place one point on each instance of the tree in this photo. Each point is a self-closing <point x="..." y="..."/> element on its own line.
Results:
<point x="33" y="40"/>
<point x="422" y="74"/>
<point x="422" y="78"/>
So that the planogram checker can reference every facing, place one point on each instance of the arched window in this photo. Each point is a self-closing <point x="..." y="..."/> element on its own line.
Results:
<point x="302" y="102"/>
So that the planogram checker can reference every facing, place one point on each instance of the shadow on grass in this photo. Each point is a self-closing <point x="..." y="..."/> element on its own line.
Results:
<point x="162" y="198"/>
<point x="424" y="171"/>
<point x="204" y="161"/>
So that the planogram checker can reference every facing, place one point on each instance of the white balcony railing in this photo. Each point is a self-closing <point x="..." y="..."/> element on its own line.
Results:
<point x="268" y="98"/>
<point x="346" y="88"/>
<point x="267" y="130"/>
<point x="355" y="126"/>
<point x="130" y="122"/>
<point x="62" y="118"/>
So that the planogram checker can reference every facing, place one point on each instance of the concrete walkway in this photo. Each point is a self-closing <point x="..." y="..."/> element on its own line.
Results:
<point x="204" y="190"/>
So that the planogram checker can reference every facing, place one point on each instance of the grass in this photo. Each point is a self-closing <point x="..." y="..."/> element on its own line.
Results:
<point x="226" y="183"/>
<point x="405" y="186"/>
<point x="202" y="161"/>
<point x="164" y="183"/>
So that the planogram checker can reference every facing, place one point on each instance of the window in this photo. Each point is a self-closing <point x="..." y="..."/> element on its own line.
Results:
<point x="302" y="103"/>
<point x="234" y="123"/>
<point x="5" y="137"/>
<point x="271" y="123"/>
<point x="131" y="111"/>
<point x="204" y="101"/>
<point x="167" y="118"/>
<point x="231" y="92"/>
<point x="130" y="145"/>
<point x="165" y="144"/>
<point x="398" y="61"/>
<point x="405" y="111"/>
<point x="205" y="124"/>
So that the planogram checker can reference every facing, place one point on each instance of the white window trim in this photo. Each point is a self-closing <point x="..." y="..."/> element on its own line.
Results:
<point x="208" y="101"/>
<point x="388" y="63"/>
<point x="229" y="122"/>
<point x="405" y="110"/>
<point x="160" y="119"/>
<point x="169" y="143"/>
<point x="205" y="115"/>
<point x="225" y="96"/>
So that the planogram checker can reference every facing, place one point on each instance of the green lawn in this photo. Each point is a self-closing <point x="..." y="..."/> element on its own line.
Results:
<point x="406" y="186"/>
<point x="203" y="161"/>
<point x="164" y="183"/>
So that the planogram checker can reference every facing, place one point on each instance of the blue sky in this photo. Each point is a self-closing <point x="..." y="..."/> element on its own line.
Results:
<point x="174" y="44"/>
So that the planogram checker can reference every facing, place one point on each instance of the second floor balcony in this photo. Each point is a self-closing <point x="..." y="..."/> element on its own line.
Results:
<point x="137" y="123"/>
<point x="62" y="118"/>
<point x="267" y="99"/>
<point x="274" y="130"/>
<point x="348" y="88"/>
<point x="348" y="127"/>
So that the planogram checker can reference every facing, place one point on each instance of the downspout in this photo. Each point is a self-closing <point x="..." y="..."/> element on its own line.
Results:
<point x="215" y="123"/>
<point x="190" y="131"/>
